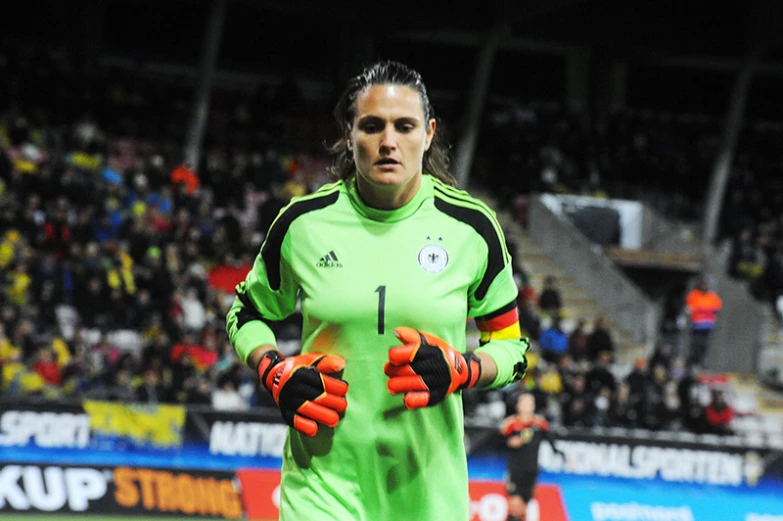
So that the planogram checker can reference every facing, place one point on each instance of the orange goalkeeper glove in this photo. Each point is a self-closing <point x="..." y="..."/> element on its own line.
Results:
<point x="427" y="369"/>
<point x="302" y="390"/>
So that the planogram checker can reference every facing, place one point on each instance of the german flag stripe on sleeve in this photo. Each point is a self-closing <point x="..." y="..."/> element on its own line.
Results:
<point x="502" y="324"/>
<point x="511" y="332"/>
<point x="500" y="319"/>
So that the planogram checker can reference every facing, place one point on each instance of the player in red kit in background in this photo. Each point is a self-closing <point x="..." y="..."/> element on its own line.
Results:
<point x="524" y="433"/>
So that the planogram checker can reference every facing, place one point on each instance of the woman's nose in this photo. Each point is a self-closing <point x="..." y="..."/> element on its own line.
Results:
<point x="389" y="138"/>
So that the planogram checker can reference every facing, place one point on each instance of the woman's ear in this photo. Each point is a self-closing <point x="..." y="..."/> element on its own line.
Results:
<point x="430" y="133"/>
<point x="347" y="137"/>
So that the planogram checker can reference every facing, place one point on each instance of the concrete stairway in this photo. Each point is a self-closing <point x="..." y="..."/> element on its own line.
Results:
<point x="576" y="304"/>
<point x="761" y="407"/>
<point x="771" y="354"/>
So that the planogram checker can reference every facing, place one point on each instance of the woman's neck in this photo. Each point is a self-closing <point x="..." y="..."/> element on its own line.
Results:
<point x="387" y="197"/>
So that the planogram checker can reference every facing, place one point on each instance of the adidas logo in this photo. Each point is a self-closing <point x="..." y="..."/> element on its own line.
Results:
<point x="329" y="261"/>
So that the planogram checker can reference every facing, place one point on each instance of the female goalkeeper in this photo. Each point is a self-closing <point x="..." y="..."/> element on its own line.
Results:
<point x="387" y="263"/>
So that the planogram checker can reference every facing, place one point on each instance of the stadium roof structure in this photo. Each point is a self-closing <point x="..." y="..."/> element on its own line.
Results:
<point x="730" y="28"/>
<point x="320" y="43"/>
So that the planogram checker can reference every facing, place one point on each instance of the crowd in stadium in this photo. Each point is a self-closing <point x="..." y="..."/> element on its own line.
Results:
<point x="754" y="222"/>
<point x="103" y="231"/>
<point x="550" y="149"/>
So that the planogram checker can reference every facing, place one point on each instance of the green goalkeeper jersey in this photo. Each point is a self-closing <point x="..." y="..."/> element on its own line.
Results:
<point x="359" y="272"/>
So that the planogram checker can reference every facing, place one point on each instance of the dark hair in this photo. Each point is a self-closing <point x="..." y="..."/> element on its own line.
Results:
<point x="436" y="159"/>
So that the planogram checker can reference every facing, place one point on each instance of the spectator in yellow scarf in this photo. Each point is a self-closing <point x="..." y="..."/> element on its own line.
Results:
<point x="551" y="382"/>
<point x="7" y="349"/>
<point x="119" y="272"/>
<point x="18" y="378"/>
<point x="17" y="289"/>
<point x="61" y="351"/>
<point x="9" y="247"/>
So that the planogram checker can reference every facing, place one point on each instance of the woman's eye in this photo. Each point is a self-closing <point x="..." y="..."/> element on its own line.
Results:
<point x="370" y="128"/>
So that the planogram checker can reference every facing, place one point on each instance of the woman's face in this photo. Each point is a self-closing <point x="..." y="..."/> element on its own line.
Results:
<point x="389" y="136"/>
<point x="526" y="405"/>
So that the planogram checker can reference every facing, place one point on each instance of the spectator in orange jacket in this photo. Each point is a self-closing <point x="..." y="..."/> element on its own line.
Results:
<point x="703" y="305"/>
<point x="185" y="175"/>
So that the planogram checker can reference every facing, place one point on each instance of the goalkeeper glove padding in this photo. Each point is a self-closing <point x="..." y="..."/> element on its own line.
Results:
<point x="303" y="391"/>
<point x="427" y="369"/>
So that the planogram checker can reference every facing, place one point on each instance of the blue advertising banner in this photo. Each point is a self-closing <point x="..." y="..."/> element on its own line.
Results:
<point x="678" y="458"/>
<point x="166" y="436"/>
<point x="584" y="497"/>
<point x="607" y="499"/>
